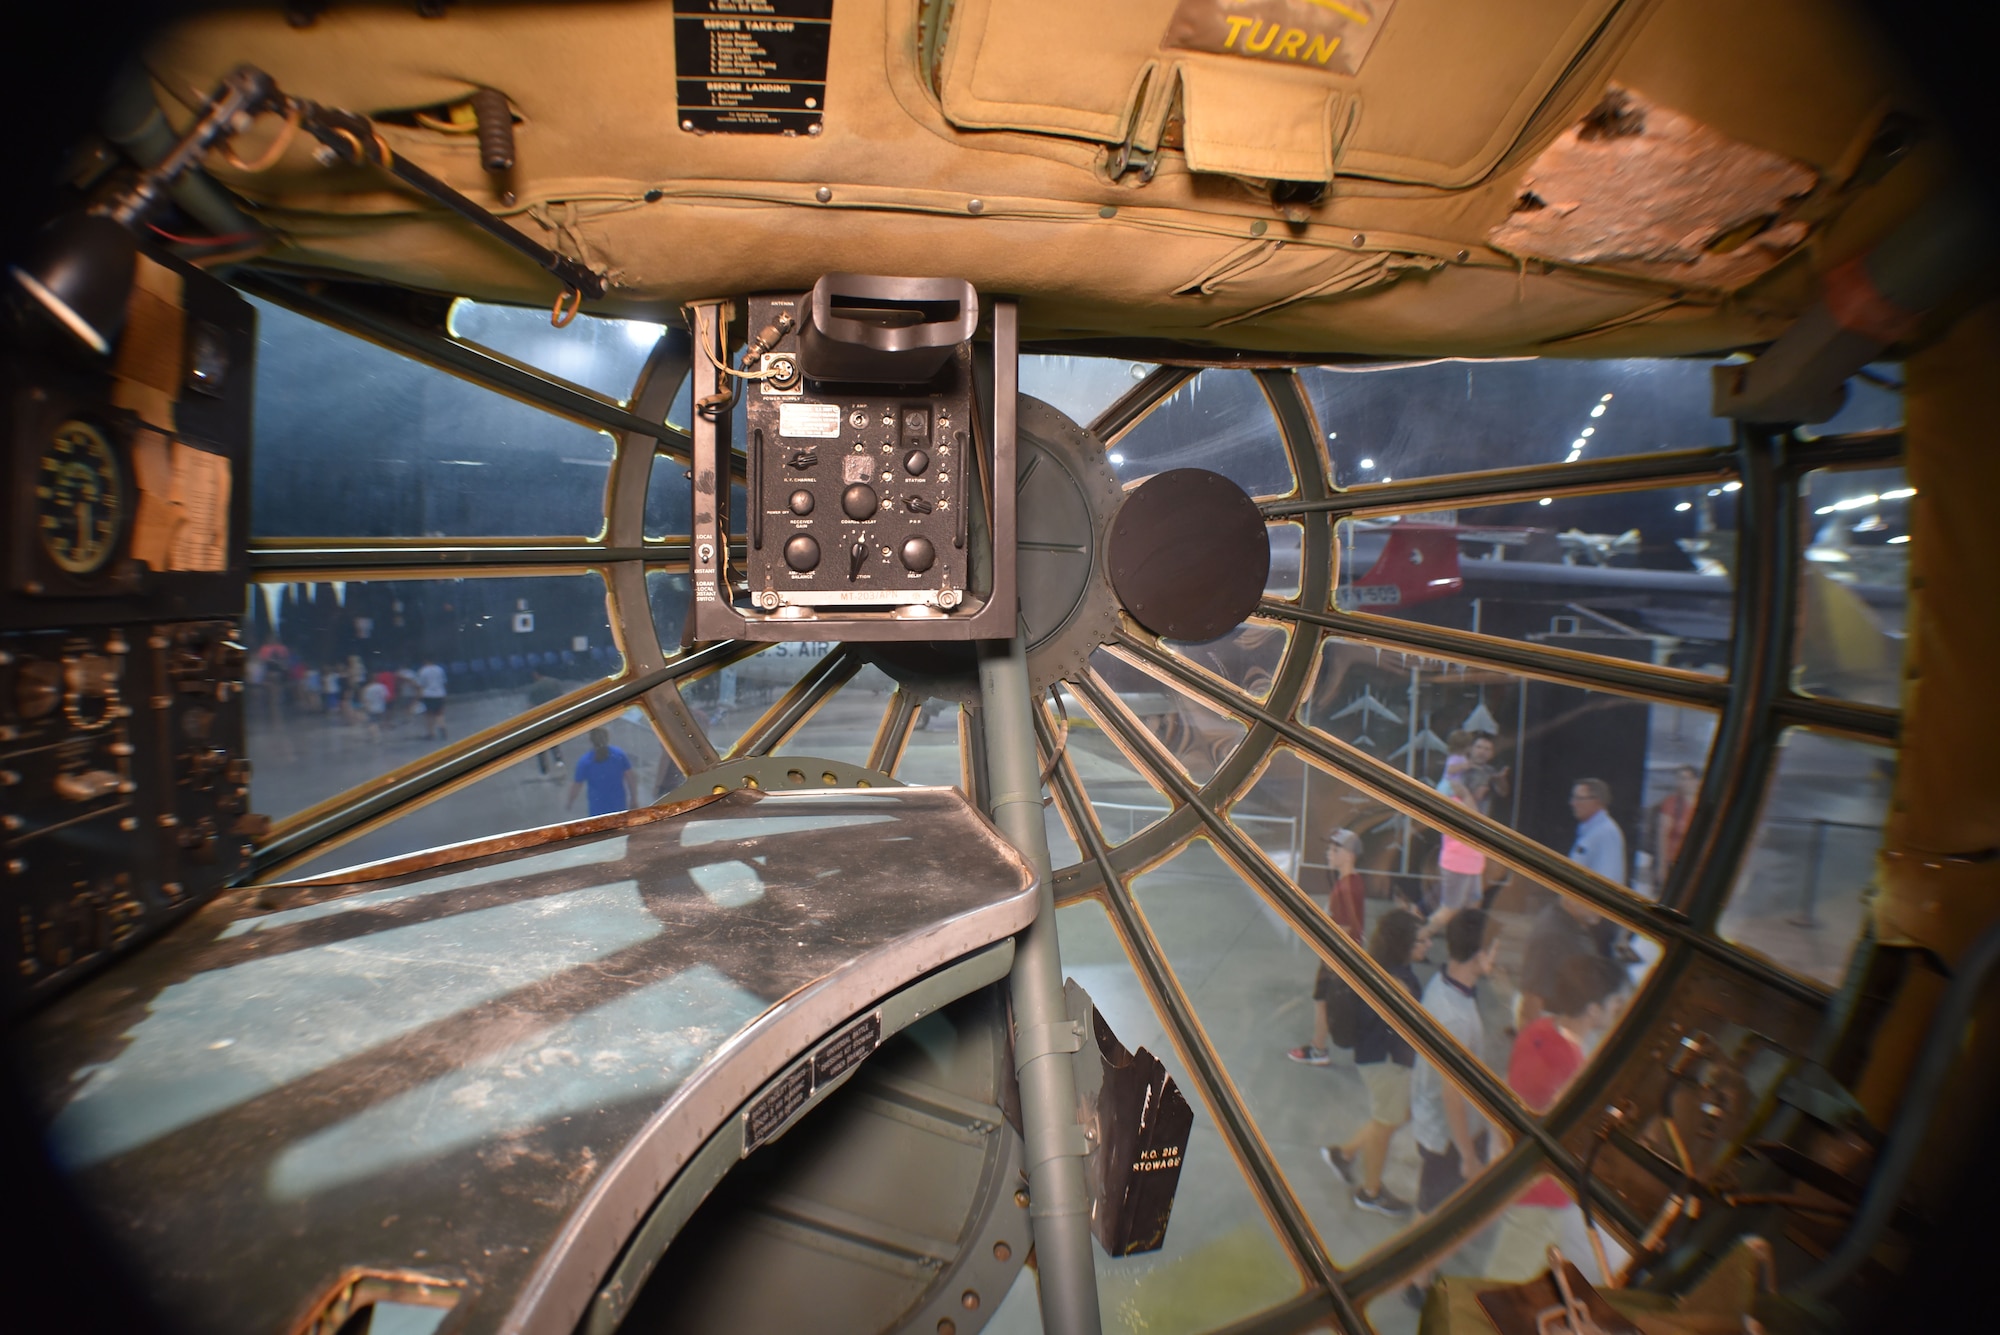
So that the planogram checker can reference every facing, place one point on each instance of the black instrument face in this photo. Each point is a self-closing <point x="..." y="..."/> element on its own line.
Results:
<point x="79" y="499"/>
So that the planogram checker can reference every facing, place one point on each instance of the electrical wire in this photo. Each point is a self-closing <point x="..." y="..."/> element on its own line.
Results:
<point x="445" y="127"/>
<point x="232" y="239"/>
<point x="727" y="369"/>
<point x="269" y="158"/>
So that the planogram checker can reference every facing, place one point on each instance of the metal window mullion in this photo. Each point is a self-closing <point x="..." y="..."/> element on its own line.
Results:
<point x="1532" y="482"/>
<point x="1532" y="859"/>
<point x="1566" y="666"/>
<point x="1862" y="722"/>
<point x="632" y="465"/>
<point x="1361" y="972"/>
<point x="892" y="735"/>
<point x="1341" y="954"/>
<point x="1731" y="799"/>
<point x="1203" y="1064"/>
<point x="1860" y="449"/>
<point x="1126" y="412"/>
<point x="317" y="564"/>
<point x="450" y="764"/>
<point x="797" y="704"/>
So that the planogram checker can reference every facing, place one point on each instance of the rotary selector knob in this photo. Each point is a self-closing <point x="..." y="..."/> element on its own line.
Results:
<point x="802" y="502"/>
<point x="918" y="554"/>
<point x="859" y="501"/>
<point x="802" y="553"/>
<point x="915" y="462"/>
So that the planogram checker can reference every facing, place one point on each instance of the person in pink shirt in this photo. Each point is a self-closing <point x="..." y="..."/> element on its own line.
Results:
<point x="1461" y="867"/>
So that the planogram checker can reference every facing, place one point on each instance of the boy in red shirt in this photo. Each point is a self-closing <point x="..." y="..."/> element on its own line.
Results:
<point x="1347" y="905"/>
<point x="1546" y="1057"/>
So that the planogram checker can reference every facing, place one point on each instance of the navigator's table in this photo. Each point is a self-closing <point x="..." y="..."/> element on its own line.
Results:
<point x="483" y="1066"/>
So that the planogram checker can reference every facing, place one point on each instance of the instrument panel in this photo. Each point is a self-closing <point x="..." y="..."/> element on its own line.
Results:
<point x="124" y="783"/>
<point x="857" y="494"/>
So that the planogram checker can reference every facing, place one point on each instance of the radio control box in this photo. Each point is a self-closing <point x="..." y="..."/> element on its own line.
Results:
<point x="857" y="492"/>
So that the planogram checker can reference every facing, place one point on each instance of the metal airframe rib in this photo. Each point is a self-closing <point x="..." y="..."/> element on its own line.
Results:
<point x="892" y="734"/>
<point x="1571" y="667"/>
<point x="1512" y="848"/>
<point x="1344" y="956"/>
<point x="1625" y="473"/>
<point x="432" y="560"/>
<point x="1867" y="723"/>
<point x="1128" y="408"/>
<point x="1730" y="803"/>
<point x="1164" y="991"/>
<point x="796" y="705"/>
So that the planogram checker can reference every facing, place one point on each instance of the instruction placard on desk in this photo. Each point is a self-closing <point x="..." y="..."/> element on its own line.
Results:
<point x="751" y="66"/>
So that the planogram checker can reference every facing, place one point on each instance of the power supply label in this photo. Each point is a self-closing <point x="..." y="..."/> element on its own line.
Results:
<point x="751" y="66"/>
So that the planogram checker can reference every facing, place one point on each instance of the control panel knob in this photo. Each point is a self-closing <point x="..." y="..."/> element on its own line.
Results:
<point x="85" y="785"/>
<point x="802" y="553"/>
<point x="857" y="556"/>
<point x="915" y="462"/>
<point x="802" y="502"/>
<point x="918" y="554"/>
<point x="859" y="501"/>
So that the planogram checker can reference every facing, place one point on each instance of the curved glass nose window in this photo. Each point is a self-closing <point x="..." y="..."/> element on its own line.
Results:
<point x="1853" y="591"/>
<point x="355" y="441"/>
<point x="1232" y="822"/>
<point x="1462" y="415"/>
<point x="1642" y="575"/>
<point x="602" y="356"/>
<point x="1609" y="781"/>
<point x="353" y="680"/>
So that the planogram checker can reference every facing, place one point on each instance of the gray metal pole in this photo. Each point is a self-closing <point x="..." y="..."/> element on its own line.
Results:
<point x="1045" y="1039"/>
<point x="1044" y="1036"/>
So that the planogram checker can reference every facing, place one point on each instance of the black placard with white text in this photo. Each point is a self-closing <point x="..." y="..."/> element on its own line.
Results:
<point x="751" y="66"/>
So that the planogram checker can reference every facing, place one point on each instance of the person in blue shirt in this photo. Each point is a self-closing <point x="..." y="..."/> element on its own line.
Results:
<point x="607" y="774"/>
<point x="1600" y="844"/>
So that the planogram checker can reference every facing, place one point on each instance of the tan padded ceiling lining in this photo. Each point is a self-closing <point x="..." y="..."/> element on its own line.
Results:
<point x="606" y="174"/>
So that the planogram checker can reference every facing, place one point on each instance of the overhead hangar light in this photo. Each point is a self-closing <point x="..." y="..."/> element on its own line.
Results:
<point x="1683" y="507"/>
<point x="1732" y="486"/>
<point x="1598" y="411"/>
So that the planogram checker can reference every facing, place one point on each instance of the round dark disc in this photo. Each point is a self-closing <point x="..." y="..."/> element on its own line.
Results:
<point x="1189" y="554"/>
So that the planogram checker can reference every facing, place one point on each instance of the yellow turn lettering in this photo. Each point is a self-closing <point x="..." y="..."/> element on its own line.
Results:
<point x="1288" y="49"/>
<point x="1236" y="25"/>
<point x="1322" y="50"/>
<point x="1270" y="35"/>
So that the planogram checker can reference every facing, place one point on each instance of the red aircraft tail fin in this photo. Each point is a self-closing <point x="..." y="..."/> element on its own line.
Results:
<point x="1419" y="563"/>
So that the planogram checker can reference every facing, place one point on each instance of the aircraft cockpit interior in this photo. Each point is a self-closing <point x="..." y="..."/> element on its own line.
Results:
<point x="953" y="666"/>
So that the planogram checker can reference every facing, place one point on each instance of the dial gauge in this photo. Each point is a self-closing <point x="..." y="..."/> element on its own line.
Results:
<point x="79" y="499"/>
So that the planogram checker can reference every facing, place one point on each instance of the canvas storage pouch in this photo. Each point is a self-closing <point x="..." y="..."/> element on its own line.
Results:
<point x="1269" y="87"/>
